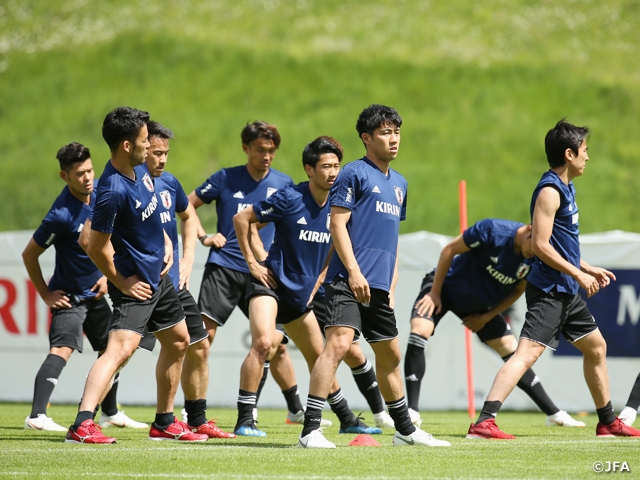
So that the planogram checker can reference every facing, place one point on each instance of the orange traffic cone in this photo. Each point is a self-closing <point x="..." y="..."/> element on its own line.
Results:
<point x="364" y="440"/>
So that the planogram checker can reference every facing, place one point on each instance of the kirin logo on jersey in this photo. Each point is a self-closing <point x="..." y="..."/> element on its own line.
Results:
<point x="165" y="196"/>
<point x="399" y="194"/>
<point x="147" y="182"/>
<point x="328" y="221"/>
<point x="523" y="271"/>
<point x="271" y="191"/>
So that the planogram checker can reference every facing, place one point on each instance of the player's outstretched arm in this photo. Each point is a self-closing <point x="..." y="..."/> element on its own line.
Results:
<point x="243" y="221"/>
<point x="189" y="222"/>
<point x="344" y="248"/>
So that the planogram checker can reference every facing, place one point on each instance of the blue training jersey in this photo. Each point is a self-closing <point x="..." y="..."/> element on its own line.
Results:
<point x="378" y="204"/>
<point x="129" y="211"/>
<point x="302" y="241"/>
<point x="488" y="273"/>
<point x="172" y="200"/>
<point x="564" y="237"/>
<point x="233" y="190"/>
<point x="74" y="272"/>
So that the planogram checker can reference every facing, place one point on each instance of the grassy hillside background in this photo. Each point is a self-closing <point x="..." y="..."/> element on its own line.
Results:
<point x="478" y="85"/>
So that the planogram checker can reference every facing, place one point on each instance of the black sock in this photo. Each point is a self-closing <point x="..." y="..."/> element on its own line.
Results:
<point x="489" y="410"/>
<point x="313" y="414"/>
<point x="530" y="384"/>
<point x="634" y="397"/>
<point x="196" y="412"/>
<point x="294" y="405"/>
<point x="265" y="373"/>
<point x="365" y="378"/>
<point x="246" y="404"/>
<point x="399" y="411"/>
<point x="46" y="380"/>
<point x="81" y="417"/>
<point x="109" y="404"/>
<point x="163" y="420"/>
<point x="414" y="367"/>
<point x="340" y="407"/>
<point x="606" y="415"/>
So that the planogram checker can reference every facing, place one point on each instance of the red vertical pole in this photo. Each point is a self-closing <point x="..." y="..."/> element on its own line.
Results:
<point x="471" y="403"/>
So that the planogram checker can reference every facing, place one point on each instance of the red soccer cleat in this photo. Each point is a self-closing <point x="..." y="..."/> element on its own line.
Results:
<point x="211" y="430"/>
<point x="487" y="430"/>
<point x="88" y="432"/>
<point x="177" y="431"/>
<point x="616" y="429"/>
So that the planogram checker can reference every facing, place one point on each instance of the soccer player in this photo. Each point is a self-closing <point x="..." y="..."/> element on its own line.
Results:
<point x="368" y="201"/>
<point x="284" y="285"/>
<point x="129" y="246"/>
<point x="226" y="278"/>
<point x="628" y="414"/>
<point x="480" y="274"/>
<point x="195" y="371"/>
<point x="553" y="303"/>
<point x="75" y="293"/>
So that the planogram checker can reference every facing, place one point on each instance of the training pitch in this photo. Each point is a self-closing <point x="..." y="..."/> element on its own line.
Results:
<point x="537" y="452"/>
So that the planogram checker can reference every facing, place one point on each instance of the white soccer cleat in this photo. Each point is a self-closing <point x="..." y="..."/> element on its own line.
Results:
<point x="383" y="420"/>
<point x="120" y="420"/>
<point x="563" y="419"/>
<point x="628" y="416"/>
<point x="416" y="419"/>
<point x="315" y="440"/>
<point x="419" y="437"/>
<point x="42" y="422"/>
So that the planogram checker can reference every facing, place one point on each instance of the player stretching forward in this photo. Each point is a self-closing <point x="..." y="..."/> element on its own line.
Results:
<point x="283" y="287"/>
<point x="75" y="293"/>
<point x="129" y="246"/>
<point x="226" y="278"/>
<point x="368" y="201"/>
<point x="487" y="275"/>
<point x="553" y="303"/>
<point x="195" y="370"/>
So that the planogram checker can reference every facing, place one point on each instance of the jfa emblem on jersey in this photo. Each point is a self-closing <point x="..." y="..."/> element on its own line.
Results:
<point x="328" y="221"/>
<point x="147" y="182"/>
<point x="399" y="194"/>
<point x="166" y="199"/>
<point x="523" y="271"/>
<point x="271" y="191"/>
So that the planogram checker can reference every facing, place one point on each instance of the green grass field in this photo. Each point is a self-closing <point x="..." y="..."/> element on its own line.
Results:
<point x="538" y="451"/>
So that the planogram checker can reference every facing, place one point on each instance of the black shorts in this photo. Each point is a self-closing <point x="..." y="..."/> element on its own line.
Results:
<point x="161" y="311"/>
<point x="222" y="289"/>
<point x="286" y="312"/>
<point x="376" y="322"/>
<point x="319" y="306"/>
<point x="93" y="317"/>
<point x="497" y="327"/>
<point x="195" y="325"/>
<point x="550" y="314"/>
<point x="197" y="330"/>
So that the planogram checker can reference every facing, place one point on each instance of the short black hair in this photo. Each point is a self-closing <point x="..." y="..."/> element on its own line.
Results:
<point x="313" y="150"/>
<point x="158" y="130"/>
<point x="260" y="129"/>
<point x="375" y="116"/>
<point x="72" y="153"/>
<point x="564" y="135"/>
<point x="123" y="123"/>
